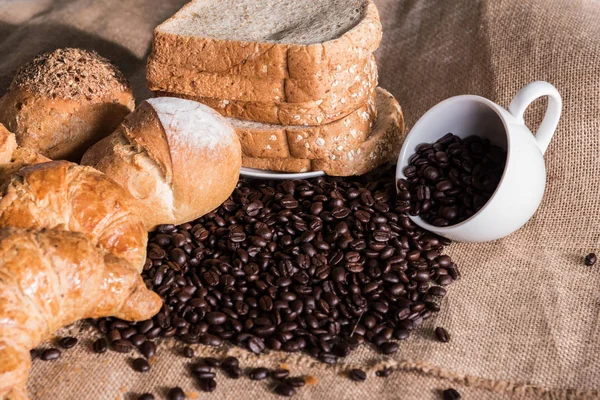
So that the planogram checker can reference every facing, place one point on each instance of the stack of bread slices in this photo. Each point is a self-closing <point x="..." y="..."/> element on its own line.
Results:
<point x="296" y="79"/>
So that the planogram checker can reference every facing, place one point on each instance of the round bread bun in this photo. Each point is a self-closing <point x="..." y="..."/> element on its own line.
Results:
<point x="179" y="158"/>
<point x="64" y="101"/>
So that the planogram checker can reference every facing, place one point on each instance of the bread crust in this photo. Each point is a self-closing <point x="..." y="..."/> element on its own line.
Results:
<point x="332" y="108"/>
<point x="275" y="60"/>
<point x="160" y="165"/>
<point x="382" y="146"/>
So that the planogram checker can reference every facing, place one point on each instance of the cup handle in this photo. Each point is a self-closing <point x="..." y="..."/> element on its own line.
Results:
<point x="528" y="95"/>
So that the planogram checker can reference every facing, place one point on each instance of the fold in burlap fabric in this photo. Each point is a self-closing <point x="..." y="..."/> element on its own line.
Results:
<point x="524" y="319"/>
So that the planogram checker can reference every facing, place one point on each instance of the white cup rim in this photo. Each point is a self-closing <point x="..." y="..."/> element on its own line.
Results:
<point x="403" y="155"/>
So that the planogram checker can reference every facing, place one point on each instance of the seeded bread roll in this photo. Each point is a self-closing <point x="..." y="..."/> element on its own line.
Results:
<point x="275" y="39"/>
<point x="64" y="101"/>
<point x="179" y="158"/>
<point x="382" y="146"/>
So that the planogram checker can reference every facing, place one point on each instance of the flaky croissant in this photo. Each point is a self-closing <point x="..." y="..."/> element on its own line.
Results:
<point x="52" y="278"/>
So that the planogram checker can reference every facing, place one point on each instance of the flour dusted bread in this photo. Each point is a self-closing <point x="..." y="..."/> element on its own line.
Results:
<point x="382" y="146"/>
<point x="276" y="39"/>
<point x="334" y="106"/>
<point x="179" y="158"/>
<point x="64" y="101"/>
<point x="310" y="142"/>
<point x="190" y="81"/>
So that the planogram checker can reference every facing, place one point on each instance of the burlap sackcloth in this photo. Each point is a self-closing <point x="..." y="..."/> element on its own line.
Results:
<point x="524" y="319"/>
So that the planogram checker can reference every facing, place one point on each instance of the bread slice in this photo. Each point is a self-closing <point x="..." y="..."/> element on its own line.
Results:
<point x="310" y="142"/>
<point x="277" y="39"/>
<point x="332" y="108"/>
<point x="382" y="146"/>
<point x="190" y="81"/>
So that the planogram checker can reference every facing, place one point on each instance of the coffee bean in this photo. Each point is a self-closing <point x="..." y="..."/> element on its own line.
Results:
<point x="140" y="365"/>
<point x="148" y="349"/>
<point x="256" y="345"/>
<point x="451" y="394"/>
<point x="67" y="342"/>
<point x="384" y="373"/>
<point x="234" y="372"/>
<point x="230" y="362"/>
<point x="100" y="346"/>
<point x="258" y="374"/>
<point x="216" y="318"/>
<point x="296" y="381"/>
<point x="388" y="347"/>
<point x="205" y="374"/>
<point x="188" y="352"/>
<point x="34" y="354"/>
<point x="176" y="393"/>
<point x="207" y="385"/>
<point x="357" y="375"/>
<point x="283" y="389"/>
<point x="50" y="354"/>
<point x="280" y="373"/>
<point x="442" y="334"/>
<point x="146" y="396"/>
<point x="591" y="259"/>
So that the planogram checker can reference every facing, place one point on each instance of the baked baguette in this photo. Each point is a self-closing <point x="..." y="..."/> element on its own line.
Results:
<point x="332" y="108"/>
<point x="178" y="158"/>
<point x="64" y="101"/>
<point x="51" y="278"/>
<point x="276" y="39"/>
<point x="189" y="81"/>
<point x="382" y="146"/>
<point x="310" y="142"/>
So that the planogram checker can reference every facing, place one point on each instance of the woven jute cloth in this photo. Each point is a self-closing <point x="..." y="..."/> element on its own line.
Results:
<point x="525" y="317"/>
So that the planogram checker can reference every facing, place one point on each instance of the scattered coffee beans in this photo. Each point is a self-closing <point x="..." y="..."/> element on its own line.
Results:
<point x="590" y="259"/>
<point x="317" y="266"/>
<point x="442" y="334"/>
<point x="296" y="382"/>
<point x="140" y="365"/>
<point x="146" y="396"/>
<point x="451" y="394"/>
<point x="176" y="394"/>
<point x="100" y="346"/>
<point x="211" y="361"/>
<point x="122" y="346"/>
<point x="450" y="180"/>
<point x="50" y="354"/>
<point x="280" y="373"/>
<point x="148" y="349"/>
<point x="258" y="374"/>
<point x="67" y="342"/>
<point x="34" y="354"/>
<point x="357" y="375"/>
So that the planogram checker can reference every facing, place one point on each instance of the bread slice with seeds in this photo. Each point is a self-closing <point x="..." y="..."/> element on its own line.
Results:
<point x="275" y="39"/>
<point x="382" y="146"/>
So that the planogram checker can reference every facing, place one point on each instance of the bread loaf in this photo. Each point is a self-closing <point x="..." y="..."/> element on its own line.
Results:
<point x="178" y="158"/>
<point x="189" y="81"/>
<point x="277" y="39"/>
<point x="62" y="102"/>
<point x="382" y="146"/>
<point x="310" y="142"/>
<point x="332" y="108"/>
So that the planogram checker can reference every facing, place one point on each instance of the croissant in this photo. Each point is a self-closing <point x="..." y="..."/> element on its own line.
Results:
<point x="51" y="278"/>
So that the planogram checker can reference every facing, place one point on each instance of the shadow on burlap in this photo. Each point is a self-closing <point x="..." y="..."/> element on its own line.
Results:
<point x="524" y="318"/>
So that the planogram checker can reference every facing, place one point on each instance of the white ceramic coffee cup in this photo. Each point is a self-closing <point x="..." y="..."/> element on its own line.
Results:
<point x="521" y="188"/>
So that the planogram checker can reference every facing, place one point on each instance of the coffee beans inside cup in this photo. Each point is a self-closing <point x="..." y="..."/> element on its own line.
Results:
<point x="450" y="180"/>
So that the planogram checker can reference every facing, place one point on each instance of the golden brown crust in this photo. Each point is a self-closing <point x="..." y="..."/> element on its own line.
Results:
<point x="78" y="199"/>
<point x="51" y="278"/>
<point x="8" y="144"/>
<point x="382" y="146"/>
<point x="133" y="154"/>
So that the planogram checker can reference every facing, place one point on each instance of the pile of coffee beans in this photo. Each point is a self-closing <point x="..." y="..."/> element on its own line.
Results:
<point x="317" y="266"/>
<point x="450" y="180"/>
